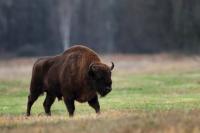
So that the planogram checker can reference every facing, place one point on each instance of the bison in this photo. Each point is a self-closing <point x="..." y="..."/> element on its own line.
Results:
<point x="77" y="74"/>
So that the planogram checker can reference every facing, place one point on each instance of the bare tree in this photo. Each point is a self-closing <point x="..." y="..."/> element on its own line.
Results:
<point x="65" y="8"/>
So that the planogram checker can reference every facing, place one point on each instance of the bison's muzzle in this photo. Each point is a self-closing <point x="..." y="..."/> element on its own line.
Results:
<point x="104" y="91"/>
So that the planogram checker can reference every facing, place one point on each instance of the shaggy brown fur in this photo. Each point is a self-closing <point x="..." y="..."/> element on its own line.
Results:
<point x="77" y="74"/>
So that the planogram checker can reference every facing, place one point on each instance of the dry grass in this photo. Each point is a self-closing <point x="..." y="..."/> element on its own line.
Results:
<point x="19" y="68"/>
<point x="112" y="121"/>
<point x="136" y="64"/>
<point x="158" y="63"/>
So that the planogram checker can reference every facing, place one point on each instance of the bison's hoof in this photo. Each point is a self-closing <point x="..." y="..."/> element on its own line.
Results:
<point x="71" y="115"/>
<point x="48" y="114"/>
<point x="98" y="113"/>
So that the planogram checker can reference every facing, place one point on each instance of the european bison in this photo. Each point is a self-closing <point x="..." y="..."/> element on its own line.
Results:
<point x="77" y="74"/>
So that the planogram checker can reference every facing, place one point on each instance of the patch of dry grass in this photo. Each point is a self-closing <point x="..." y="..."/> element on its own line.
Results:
<point x="135" y="64"/>
<point x="19" y="68"/>
<point x="111" y="121"/>
<point x="156" y="63"/>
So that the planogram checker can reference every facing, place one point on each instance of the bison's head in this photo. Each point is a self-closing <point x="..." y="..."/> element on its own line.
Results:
<point x="100" y="75"/>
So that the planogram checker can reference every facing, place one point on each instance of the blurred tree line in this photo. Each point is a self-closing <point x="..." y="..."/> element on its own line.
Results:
<point x="45" y="27"/>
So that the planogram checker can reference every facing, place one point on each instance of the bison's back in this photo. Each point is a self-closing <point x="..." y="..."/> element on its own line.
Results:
<point x="80" y="48"/>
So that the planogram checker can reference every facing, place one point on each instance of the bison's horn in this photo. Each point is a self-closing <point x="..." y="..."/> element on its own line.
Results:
<point x="111" y="68"/>
<point x="91" y="67"/>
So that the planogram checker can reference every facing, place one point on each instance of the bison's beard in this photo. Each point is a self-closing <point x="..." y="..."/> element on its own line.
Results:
<point x="103" y="92"/>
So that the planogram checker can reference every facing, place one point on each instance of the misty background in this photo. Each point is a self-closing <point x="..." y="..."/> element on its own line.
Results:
<point x="47" y="27"/>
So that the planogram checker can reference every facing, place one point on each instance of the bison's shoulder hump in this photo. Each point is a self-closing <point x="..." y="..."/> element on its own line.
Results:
<point x="80" y="48"/>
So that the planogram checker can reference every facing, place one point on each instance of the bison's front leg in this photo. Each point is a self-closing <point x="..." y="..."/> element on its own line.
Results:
<point x="70" y="106"/>
<point x="94" y="103"/>
<point x="48" y="102"/>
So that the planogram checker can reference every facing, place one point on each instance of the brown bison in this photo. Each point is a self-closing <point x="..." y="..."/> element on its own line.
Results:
<point x="77" y="74"/>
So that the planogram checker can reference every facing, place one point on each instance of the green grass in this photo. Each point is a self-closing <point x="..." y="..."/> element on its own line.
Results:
<point x="145" y="92"/>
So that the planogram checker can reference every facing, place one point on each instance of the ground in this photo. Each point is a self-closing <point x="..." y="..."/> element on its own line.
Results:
<point x="151" y="93"/>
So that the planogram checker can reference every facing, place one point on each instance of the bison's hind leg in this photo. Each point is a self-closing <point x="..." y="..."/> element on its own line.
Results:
<point x="31" y="99"/>
<point x="49" y="100"/>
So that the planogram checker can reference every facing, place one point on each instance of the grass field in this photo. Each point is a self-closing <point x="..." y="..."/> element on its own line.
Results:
<point x="157" y="93"/>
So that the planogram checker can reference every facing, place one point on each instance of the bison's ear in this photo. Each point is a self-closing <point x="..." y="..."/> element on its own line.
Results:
<point x="91" y="69"/>
<point x="112" y="67"/>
